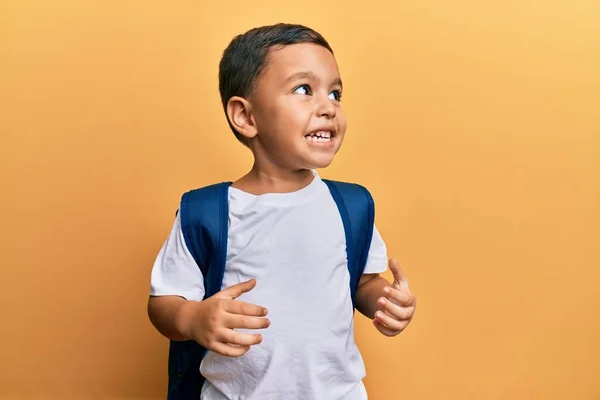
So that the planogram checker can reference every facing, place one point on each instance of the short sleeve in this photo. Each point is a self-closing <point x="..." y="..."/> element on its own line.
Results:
<point x="175" y="272"/>
<point x="377" y="258"/>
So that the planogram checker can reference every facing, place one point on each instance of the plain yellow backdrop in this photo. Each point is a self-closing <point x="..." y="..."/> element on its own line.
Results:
<point x="475" y="124"/>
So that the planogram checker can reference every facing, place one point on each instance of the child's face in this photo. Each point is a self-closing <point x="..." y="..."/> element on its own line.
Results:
<point x="296" y="107"/>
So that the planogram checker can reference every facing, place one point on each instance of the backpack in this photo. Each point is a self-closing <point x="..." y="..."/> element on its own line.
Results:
<point x="204" y="224"/>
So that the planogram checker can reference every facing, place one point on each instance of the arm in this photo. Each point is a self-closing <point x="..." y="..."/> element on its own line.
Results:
<point x="170" y="315"/>
<point x="211" y="322"/>
<point x="390" y="306"/>
<point x="370" y="289"/>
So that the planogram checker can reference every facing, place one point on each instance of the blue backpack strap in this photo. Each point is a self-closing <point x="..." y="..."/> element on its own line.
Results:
<point x="357" y="210"/>
<point x="204" y="224"/>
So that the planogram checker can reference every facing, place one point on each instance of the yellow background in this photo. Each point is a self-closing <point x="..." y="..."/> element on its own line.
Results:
<point x="475" y="124"/>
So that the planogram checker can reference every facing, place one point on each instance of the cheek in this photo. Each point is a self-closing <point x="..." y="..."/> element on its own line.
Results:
<point x="287" y="114"/>
<point x="292" y="119"/>
<point x="342" y="123"/>
<point x="282" y="124"/>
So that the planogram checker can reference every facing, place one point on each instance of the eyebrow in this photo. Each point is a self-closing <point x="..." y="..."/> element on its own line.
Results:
<point x="310" y="75"/>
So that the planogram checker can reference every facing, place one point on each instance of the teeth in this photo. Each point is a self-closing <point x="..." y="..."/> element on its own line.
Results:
<point x="321" y="134"/>
<point x="318" y="139"/>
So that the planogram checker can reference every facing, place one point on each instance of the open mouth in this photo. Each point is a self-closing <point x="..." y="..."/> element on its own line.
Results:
<point x="320" y="137"/>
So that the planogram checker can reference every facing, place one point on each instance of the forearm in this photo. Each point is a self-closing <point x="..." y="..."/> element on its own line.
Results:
<point x="170" y="316"/>
<point x="368" y="294"/>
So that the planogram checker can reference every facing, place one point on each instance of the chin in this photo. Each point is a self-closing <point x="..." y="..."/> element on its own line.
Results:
<point x="319" y="158"/>
<point x="320" y="162"/>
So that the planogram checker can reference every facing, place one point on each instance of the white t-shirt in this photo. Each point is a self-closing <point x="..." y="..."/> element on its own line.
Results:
<point x="294" y="245"/>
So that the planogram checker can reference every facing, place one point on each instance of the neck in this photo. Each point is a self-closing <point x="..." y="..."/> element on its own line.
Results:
<point x="261" y="180"/>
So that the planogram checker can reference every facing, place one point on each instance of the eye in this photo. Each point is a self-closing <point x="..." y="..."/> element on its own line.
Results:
<point x="303" y="89"/>
<point x="336" y="95"/>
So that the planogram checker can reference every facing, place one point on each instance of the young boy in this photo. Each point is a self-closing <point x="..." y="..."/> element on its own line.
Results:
<point x="286" y="250"/>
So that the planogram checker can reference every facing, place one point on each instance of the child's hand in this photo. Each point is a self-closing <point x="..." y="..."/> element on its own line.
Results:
<point x="213" y="321"/>
<point x="397" y="305"/>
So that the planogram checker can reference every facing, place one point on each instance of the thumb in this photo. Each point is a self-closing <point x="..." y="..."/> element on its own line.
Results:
<point x="399" y="276"/>
<point x="235" y="291"/>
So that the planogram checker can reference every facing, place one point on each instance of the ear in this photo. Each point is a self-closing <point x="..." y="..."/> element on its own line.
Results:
<point x="239" y="113"/>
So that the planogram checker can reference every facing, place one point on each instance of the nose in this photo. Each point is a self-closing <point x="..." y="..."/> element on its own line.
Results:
<point x="325" y="107"/>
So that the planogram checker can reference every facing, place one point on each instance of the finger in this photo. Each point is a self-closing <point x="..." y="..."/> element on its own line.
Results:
<point x="235" y="321"/>
<point x="399" y="276"/>
<point x="398" y="312"/>
<point x="229" y="350"/>
<point x="238" y="338"/>
<point x="383" y="329"/>
<point x="236" y="291"/>
<point x="404" y="298"/>
<point x="242" y="308"/>
<point x="390" y="322"/>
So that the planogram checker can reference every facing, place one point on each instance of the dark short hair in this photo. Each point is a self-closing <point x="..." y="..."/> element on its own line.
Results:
<point x="247" y="55"/>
